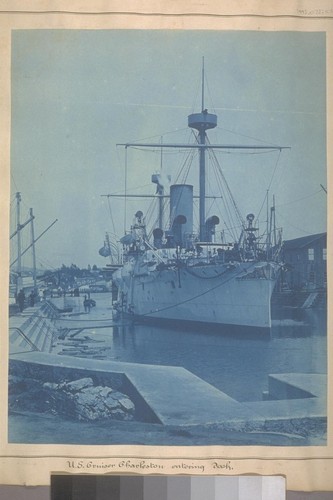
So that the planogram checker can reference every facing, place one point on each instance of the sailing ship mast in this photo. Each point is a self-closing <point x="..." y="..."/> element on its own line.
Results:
<point x="20" y="252"/>
<point x="18" y="231"/>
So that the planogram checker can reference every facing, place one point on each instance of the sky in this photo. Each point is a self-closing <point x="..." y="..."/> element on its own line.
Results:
<point x="76" y="94"/>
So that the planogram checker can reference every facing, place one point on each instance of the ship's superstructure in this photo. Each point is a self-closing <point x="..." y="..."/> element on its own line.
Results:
<point x="184" y="274"/>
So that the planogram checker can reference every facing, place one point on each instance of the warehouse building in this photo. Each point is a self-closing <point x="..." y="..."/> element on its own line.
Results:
<point x="305" y="263"/>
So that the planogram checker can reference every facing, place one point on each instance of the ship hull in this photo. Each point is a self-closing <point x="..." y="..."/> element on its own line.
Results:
<point x="215" y="295"/>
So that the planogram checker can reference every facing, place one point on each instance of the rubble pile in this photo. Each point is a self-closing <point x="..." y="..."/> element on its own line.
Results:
<point x="79" y="399"/>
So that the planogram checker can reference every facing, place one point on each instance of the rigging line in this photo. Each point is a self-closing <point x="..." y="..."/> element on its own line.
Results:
<point x="270" y="184"/>
<point x="188" y="160"/>
<point x="262" y="206"/>
<point x="299" y="199"/>
<point x="196" y="94"/>
<point x="120" y="191"/>
<point x="239" y="215"/>
<point x="186" y="172"/>
<point x="150" y="211"/>
<point x="247" y="153"/>
<point x="13" y="201"/>
<point x="210" y="95"/>
<point x="111" y="216"/>
<point x="12" y="177"/>
<point x="221" y="180"/>
<point x="177" y="130"/>
<point x="245" y="135"/>
<point x="156" y="150"/>
<point x="225" y="203"/>
<point x="210" y="208"/>
<point x="276" y="164"/>
<point x="301" y="230"/>
<point x="221" y="189"/>
<point x="195" y="296"/>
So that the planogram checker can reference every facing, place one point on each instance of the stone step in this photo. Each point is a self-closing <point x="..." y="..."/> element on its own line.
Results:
<point x="35" y="326"/>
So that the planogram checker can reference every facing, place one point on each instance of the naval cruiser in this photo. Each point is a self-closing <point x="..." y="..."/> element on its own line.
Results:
<point x="182" y="273"/>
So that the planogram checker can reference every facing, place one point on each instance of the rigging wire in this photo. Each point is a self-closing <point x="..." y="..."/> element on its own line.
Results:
<point x="226" y="206"/>
<point x="186" y="166"/>
<point x="243" y="153"/>
<point x="301" y="230"/>
<point x="158" y="136"/>
<point x="245" y="135"/>
<point x="241" y="271"/>
<point x="135" y="188"/>
<point x="231" y="213"/>
<point x="300" y="199"/>
<point x="237" y="211"/>
<point x="269" y="185"/>
<point x="13" y="180"/>
<point x="196" y="95"/>
<point x="274" y="171"/>
<point x="111" y="216"/>
<point x="210" y="95"/>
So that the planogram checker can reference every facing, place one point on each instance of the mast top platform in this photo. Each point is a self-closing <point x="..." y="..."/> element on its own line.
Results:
<point x="202" y="121"/>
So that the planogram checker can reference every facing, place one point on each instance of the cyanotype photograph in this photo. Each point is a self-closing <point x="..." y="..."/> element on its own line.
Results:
<point x="168" y="240"/>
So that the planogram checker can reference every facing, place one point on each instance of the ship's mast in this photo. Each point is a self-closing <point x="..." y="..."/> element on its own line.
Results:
<point x="18" y="229"/>
<point x="202" y="122"/>
<point x="34" y="271"/>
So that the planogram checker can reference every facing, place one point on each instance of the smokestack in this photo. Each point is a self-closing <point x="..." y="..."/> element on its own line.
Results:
<point x="210" y="224"/>
<point x="158" y="235"/>
<point x="181" y="212"/>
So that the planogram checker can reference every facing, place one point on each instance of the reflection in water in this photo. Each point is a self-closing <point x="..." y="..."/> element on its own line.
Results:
<point x="294" y="322"/>
<point x="234" y="362"/>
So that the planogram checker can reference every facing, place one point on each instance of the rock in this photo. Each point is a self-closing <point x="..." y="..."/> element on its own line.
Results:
<point x="101" y="392"/>
<point x="51" y="386"/>
<point x="96" y="403"/>
<point x="78" y="399"/>
<point x="127" y="405"/>
<point x="111" y="403"/>
<point x="105" y="391"/>
<point x="79" y="385"/>
<point x="120" y="415"/>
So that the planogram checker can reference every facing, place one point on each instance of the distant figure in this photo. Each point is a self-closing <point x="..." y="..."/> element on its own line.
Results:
<point x="32" y="298"/>
<point x="76" y="292"/>
<point x="87" y="304"/>
<point x="21" y="300"/>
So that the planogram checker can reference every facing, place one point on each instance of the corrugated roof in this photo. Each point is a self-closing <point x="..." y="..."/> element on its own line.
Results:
<point x="304" y="241"/>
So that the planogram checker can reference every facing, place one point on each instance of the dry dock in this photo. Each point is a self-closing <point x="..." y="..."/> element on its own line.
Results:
<point x="295" y="403"/>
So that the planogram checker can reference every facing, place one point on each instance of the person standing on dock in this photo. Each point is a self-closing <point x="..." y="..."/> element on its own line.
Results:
<point x="32" y="298"/>
<point x="86" y="304"/>
<point x="21" y="300"/>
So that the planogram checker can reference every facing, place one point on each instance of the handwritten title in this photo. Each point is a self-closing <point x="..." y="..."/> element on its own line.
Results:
<point x="148" y="465"/>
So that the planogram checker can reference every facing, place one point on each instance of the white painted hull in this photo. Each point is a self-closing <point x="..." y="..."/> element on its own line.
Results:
<point x="215" y="294"/>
